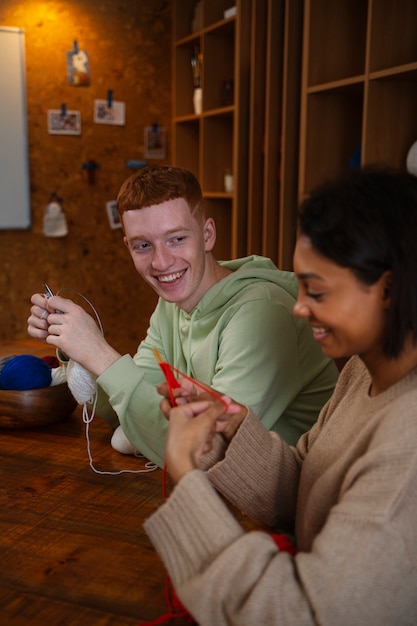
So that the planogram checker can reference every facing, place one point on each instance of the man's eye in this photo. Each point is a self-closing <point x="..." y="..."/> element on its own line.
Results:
<point x="141" y="247"/>
<point x="178" y="240"/>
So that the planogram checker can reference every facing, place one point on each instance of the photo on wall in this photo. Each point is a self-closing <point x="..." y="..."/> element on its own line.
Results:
<point x="105" y="114"/>
<point x="64" y="123"/>
<point x="155" y="142"/>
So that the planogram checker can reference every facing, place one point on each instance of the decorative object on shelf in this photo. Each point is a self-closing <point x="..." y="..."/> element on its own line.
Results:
<point x="198" y="100"/>
<point x="197" y="66"/>
<point x="78" y="68"/>
<point x="411" y="161"/>
<point x="228" y="181"/>
<point x="230" y="12"/>
<point x="227" y="93"/>
<point x="54" y="220"/>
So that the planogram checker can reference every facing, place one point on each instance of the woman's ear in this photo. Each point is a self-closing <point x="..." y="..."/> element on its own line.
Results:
<point x="209" y="234"/>
<point x="386" y="285"/>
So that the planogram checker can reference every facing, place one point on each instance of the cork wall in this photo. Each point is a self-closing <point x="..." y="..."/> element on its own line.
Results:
<point x="128" y="44"/>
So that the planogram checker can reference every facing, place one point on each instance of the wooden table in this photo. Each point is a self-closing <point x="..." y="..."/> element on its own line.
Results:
<point x="73" y="549"/>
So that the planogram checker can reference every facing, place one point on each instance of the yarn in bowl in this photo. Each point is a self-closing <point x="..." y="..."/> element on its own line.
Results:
<point x="29" y="397"/>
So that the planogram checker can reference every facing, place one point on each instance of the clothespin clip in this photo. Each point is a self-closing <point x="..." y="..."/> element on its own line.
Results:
<point x="63" y="110"/>
<point x="110" y="98"/>
<point x="90" y="166"/>
<point x="75" y="47"/>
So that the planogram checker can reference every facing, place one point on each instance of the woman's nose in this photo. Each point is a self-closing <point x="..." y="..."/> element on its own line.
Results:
<point x="301" y="309"/>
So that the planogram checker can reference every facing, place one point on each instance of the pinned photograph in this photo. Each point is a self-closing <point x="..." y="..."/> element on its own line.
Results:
<point x="78" y="67"/>
<point x="105" y="114"/>
<point x="155" y="142"/>
<point x="64" y="123"/>
<point x="113" y="214"/>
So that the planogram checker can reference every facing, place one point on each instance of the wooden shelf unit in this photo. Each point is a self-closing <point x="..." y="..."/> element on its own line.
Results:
<point x="256" y="136"/>
<point x="216" y="141"/>
<point x="359" y="86"/>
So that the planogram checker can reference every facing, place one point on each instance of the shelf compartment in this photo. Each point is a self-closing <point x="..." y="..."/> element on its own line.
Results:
<point x="214" y="10"/>
<point x="393" y="34"/>
<point x="220" y="209"/>
<point x="217" y="151"/>
<point x="182" y="22"/>
<point x="186" y="149"/>
<point x="218" y="64"/>
<point x="337" y="39"/>
<point x="183" y="100"/>
<point x="334" y="132"/>
<point x="390" y="134"/>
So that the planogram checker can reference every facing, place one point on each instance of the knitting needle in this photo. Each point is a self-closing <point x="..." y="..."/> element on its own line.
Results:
<point x="173" y="382"/>
<point x="169" y="376"/>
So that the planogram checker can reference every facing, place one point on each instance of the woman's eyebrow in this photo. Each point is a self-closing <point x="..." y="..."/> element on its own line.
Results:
<point x="309" y="276"/>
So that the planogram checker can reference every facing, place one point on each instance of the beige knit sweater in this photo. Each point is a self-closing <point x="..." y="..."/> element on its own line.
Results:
<point x="350" y="485"/>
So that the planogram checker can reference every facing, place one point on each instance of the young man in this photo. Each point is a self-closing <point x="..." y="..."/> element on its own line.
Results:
<point x="228" y="324"/>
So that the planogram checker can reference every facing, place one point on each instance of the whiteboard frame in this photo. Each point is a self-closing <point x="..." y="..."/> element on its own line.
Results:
<point x="14" y="150"/>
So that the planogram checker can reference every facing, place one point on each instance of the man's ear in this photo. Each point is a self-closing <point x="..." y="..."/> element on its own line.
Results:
<point x="209" y="234"/>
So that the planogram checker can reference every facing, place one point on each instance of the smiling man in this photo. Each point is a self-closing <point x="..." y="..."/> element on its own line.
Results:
<point x="227" y="324"/>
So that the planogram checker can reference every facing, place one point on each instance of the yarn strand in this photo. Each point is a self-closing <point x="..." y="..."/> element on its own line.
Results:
<point x="83" y="387"/>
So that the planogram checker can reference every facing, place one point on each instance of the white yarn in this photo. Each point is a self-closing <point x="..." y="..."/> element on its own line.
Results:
<point x="83" y="387"/>
<point x="58" y="375"/>
<point x="121" y="443"/>
<point x="81" y="382"/>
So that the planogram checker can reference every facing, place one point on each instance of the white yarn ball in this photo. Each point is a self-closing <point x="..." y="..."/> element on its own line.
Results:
<point x="81" y="382"/>
<point x="121" y="443"/>
<point x="411" y="162"/>
<point x="59" y="375"/>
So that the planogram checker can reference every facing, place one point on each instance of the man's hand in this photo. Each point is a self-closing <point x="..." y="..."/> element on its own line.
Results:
<point x="72" y="330"/>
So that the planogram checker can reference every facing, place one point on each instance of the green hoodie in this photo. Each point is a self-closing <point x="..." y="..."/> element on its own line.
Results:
<point x="243" y="340"/>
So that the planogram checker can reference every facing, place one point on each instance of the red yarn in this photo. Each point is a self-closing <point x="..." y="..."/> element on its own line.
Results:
<point x="51" y="360"/>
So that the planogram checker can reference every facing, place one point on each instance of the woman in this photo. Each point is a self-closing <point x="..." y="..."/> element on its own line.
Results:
<point x="349" y="487"/>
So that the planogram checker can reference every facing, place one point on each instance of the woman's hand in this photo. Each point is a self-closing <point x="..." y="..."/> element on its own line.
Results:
<point x="192" y="427"/>
<point x="189" y="392"/>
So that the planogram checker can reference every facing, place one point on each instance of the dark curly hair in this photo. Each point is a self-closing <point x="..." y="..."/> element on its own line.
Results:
<point x="367" y="221"/>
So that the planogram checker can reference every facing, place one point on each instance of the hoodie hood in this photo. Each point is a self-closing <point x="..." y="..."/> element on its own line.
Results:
<point x="245" y="271"/>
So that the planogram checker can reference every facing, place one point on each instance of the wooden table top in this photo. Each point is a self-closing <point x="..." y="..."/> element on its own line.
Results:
<point x="72" y="543"/>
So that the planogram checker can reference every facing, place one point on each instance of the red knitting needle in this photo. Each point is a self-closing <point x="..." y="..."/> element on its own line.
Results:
<point x="169" y="376"/>
<point x="168" y="371"/>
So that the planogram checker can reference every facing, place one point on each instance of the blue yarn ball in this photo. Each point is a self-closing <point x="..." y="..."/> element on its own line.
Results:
<point x="25" y="371"/>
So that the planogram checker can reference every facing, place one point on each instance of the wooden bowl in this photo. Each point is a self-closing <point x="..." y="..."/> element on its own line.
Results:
<point x="35" y="407"/>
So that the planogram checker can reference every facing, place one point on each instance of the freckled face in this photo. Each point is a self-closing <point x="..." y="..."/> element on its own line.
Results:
<point x="169" y="250"/>
<point x="347" y="317"/>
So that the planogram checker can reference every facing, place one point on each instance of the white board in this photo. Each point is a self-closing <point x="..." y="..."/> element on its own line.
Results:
<point x="14" y="160"/>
